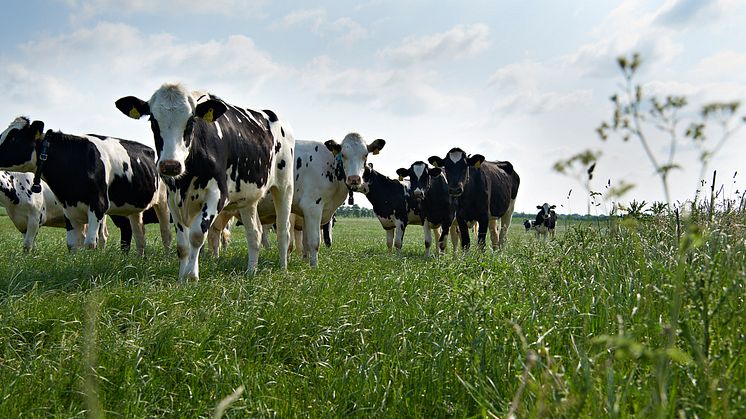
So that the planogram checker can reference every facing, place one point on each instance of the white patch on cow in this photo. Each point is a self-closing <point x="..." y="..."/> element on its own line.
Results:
<point x="455" y="156"/>
<point x="545" y="208"/>
<point x="220" y="133"/>
<point x="418" y="169"/>
<point x="354" y="155"/>
<point x="18" y="123"/>
<point x="113" y="157"/>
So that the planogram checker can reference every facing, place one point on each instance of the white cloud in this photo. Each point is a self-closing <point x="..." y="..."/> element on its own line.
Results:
<point x="458" y="42"/>
<point x="722" y="65"/>
<point x="82" y="10"/>
<point x="343" y="30"/>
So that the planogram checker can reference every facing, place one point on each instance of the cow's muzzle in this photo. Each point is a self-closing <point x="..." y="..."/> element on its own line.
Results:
<point x="419" y="194"/>
<point x="354" y="182"/>
<point x="170" y="168"/>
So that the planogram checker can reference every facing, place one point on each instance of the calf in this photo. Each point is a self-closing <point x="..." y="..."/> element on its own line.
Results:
<point x="90" y="176"/>
<point x="215" y="156"/>
<point x="28" y="211"/>
<point x="429" y="190"/>
<point x="324" y="173"/>
<point x="480" y="191"/>
<point x="546" y="220"/>
<point x="529" y="224"/>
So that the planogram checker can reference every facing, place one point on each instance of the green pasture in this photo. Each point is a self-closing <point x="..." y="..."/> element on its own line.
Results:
<point x="638" y="320"/>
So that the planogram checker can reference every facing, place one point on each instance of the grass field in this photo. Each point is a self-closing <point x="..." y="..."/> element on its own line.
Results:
<point x="624" y="322"/>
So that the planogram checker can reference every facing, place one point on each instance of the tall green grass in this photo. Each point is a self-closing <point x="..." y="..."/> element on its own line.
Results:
<point x="604" y="321"/>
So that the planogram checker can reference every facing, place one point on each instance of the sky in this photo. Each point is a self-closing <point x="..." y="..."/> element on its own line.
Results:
<point x="526" y="81"/>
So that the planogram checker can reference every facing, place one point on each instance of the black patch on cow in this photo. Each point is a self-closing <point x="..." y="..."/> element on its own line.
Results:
<point x="68" y="225"/>
<point x="297" y="176"/>
<point x="278" y="146"/>
<point x="310" y="158"/>
<point x="206" y="223"/>
<point x="272" y="116"/>
<point x="18" y="146"/>
<point x="8" y="189"/>
<point x="298" y="163"/>
<point x="282" y="131"/>
<point x="281" y="164"/>
<point x="317" y="201"/>
<point x="316" y="148"/>
<point x="180" y="227"/>
<point x="386" y="195"/>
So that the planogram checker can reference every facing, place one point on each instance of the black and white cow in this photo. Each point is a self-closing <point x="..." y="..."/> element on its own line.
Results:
<point x="546" y="220"/>
<point x="215" y="156"/>
<point x="323" y="174"/>
<point x="390" y="201"/>
<point x="480" y="191"/>
<point x="429" y="195"/>
<point x="529" y="224"/>
<point x="149" y="216"/>
<point x="28" y="211"/>
<point x="90" y="175"/>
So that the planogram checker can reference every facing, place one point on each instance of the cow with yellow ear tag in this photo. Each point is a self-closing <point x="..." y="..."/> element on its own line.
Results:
<point x="214" y="156"/>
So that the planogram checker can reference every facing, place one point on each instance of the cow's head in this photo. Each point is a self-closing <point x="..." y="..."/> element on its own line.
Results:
<point x="456" y="168"/>
<point x="545" y="210"/>
<point x="353" y="154"/>
<point x="419" y="178"/>
<point x="175" y="118"/>
<point x="19" y="143"/>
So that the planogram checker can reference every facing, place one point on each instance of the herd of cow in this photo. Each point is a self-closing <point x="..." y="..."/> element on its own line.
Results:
<point x="215" y="161"/>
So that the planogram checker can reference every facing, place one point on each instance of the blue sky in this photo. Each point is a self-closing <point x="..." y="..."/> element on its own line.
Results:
<point x="525" y="81"/>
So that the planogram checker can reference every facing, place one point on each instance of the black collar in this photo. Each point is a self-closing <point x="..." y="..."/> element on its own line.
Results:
<point x="42" y="154"/>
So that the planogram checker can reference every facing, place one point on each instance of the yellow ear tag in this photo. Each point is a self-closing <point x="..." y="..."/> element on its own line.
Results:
<point x="134" y="114"/>
<point x="208" y="115"/>
<point x="479" y="163"/>
<point x="37" y="137"/>
<point x="375" y="152"/>
<point x="401" y="178"/>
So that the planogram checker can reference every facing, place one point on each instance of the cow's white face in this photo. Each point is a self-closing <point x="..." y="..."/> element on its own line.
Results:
<point x="173" y="112"/>
<point x="172" y="120"/>
<point x="353" y="153"/>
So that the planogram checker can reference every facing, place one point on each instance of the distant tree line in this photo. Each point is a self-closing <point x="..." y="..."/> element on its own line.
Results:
<point x="356" y="211"/>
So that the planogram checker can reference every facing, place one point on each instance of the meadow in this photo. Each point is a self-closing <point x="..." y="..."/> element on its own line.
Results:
<point x="640" y="318"/>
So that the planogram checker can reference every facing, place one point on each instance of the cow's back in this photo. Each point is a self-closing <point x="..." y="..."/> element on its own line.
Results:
<point x="502" y="183"/>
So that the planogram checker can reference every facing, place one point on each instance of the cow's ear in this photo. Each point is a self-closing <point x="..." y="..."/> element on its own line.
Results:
<point x="376" y="146"/>
<point x="435" y="172"/>
<point x="133" y="107"/>
<point x="402" y="173"/>
<point x="37" y="128"/>
<point x="475" y="160"/>
<point x="333" y="147"/>
<point x="435" y="161"/>
<point x="210" y="110"/>
<point x="553" y="207"/>
<point x="539" y="206"/>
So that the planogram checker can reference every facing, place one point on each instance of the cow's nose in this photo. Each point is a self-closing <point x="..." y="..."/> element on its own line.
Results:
<point x="353" y="181"/>
<point x="418" y="194"/>
<point x="455" y="191"/>
<point x="170" y="167"/>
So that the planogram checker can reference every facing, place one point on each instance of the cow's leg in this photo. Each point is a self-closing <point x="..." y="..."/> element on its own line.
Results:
<point x="494" y="235"/>
<point x="252" y="226"/>
<point x="183" y="247"/>
<point x="283" y="199"/>
<point x="94" y="223"/>
<point x="505" y="222"/>
<point x="298" y="243"/>
<point x="312" y="233"/>
<point x="103" y="233"/>
<point x="327" y="228"/>
<point x="463" y="230"/>
<point x="215" y="233"/>
<point x="75" y="232"/>
<point x="442" y="238"/>
<point x="454" y="236"/>
<point x="390" y="239"/>
<point x="483" y="224"/>
<point x="428" y="237"/>
<point x="32" y="228"/>
<point x="265" y="236"/>
<point x="138" y="230"/>
<point x="401" y="227"/>
<point x="164" y="224"/>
